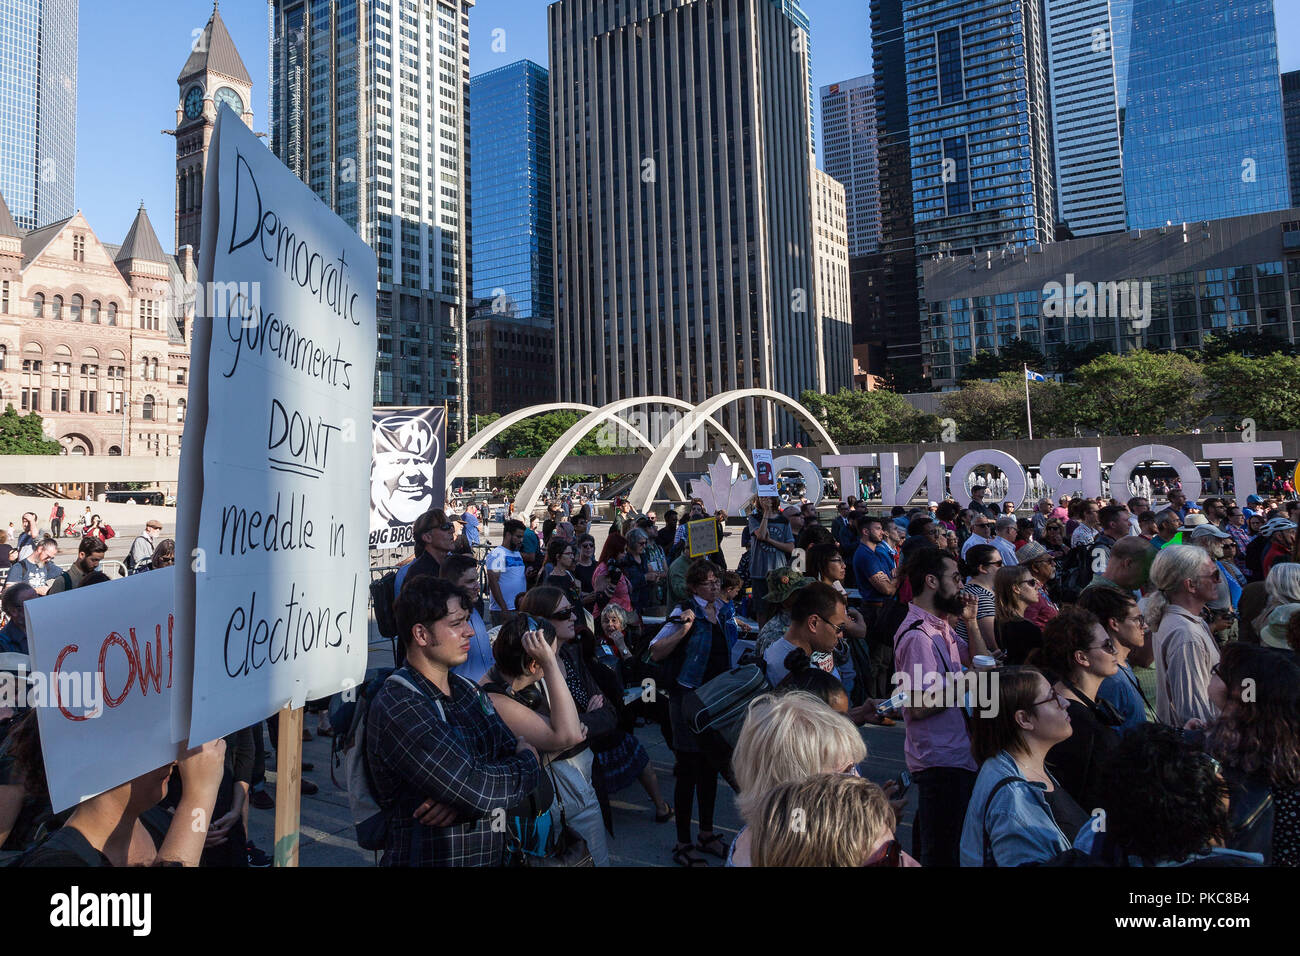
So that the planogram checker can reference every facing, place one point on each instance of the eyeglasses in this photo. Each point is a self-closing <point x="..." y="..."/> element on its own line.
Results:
<point x="561" y="614"/>
<point x="839" y="628"/>
<point x="1108" y="645"/>
<point x="837" y="559"/>
<point x="1212" y="575"/>
<point x="992" y="564"/>
<point x="1055" y="695"/>
<point x="1026" y="581"/>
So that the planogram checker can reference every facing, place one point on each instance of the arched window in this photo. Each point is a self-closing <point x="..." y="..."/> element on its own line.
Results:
<point x="58" y="307"/>
<point x="94" y="311"/>
<point x="4" y="354"/>
<point x="112" y="313"/>
<point x="74" y="308"/>
<point x="180" y="409"/>
<point x="38" y="305"/>
<point x="146" y="411"/>
<point x="153" y="370"/>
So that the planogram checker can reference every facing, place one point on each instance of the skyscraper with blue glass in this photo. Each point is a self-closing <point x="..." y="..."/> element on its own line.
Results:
<point x="511" y="211"/>
<point x="977" y="106"/>
<point x="981" y="167"/>
<point x="38" y="109"/>
<point x="1202" y="112"/>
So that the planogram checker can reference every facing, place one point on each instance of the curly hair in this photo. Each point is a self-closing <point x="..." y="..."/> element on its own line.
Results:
<point x="1162" y="796"/>
<point x="1259" y="728"/>
<point x="1070" y="632"/>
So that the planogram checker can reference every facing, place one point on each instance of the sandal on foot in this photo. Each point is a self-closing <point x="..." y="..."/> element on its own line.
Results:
<point x="665" y="816"/>
<point x="714" y="845"/>
<point x="685" y="854"/>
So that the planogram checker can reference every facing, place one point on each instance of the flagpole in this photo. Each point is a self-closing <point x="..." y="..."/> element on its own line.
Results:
<point x="1029" y="415"/>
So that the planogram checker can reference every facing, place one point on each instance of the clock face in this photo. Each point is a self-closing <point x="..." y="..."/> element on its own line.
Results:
<point x="194" y="102"/>
<point x="230" y="98"/>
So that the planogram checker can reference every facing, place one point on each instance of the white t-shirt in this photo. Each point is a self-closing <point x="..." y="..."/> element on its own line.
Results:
<point x="510" y="565"/>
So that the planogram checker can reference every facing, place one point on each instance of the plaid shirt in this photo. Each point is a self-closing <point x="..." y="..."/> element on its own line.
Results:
<point x="464" y="757"/>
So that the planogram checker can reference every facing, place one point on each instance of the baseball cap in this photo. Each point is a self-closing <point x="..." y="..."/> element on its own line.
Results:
<point x="1274" y="525"/>
<point x="1207" y="531"/>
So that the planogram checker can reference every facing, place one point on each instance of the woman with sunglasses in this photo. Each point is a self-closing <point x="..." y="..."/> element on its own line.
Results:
<point x="1054" y="538"/>
<point x="1120" y="615"/>
<point x="1079" y="654"/>
<point x="573" y="768"/>
<point x="1018" y="812"/>
<point x="562" y="557"/>
<point x="981" y="566"/>
<point x="1041" y="565"/>
<point x="1014" y="590"/>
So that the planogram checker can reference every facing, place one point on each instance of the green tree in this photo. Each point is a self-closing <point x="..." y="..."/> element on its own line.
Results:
<point x="1247" y="342"/>
<point x="871" y="418"/>
<point x="1068" y="359"/>
<point x="24" y="435"/>
<point x="1263" y="388"/>
<point x="1139" y="393"/>
<point x="996" y="410"/>
<point x="1012" y="357"/>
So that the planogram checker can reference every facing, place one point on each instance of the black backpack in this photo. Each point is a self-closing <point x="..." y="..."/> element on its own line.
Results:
<point x="383" y="595"/>
<point x="1075" y="571"/>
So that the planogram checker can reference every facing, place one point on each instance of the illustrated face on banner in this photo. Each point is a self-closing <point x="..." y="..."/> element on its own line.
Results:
<point x="401" y="474"/>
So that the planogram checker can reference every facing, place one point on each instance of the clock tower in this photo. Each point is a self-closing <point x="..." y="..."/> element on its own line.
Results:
<point x="213" y="76"/>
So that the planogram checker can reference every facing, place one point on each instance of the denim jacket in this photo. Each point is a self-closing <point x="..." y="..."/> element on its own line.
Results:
<point x="698" y="644"/>
<point x="1021" y="828"/>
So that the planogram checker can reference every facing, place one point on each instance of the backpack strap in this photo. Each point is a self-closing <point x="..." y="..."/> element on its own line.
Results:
<point x="67" y="581"/>
<point x="989" y="859"/>
<point x="437" y="704"/>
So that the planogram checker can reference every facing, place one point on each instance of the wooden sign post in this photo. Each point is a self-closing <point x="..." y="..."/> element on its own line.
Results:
<point x="288" y="786"/>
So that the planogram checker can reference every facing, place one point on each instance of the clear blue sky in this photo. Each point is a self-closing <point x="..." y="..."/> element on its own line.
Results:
<point x="131" y="51"/>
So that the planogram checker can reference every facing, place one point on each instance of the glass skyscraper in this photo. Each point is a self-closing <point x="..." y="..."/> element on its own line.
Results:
<point x="1202" y="112"/>
<point x="370" y="107"/>
<point x="511" y="212"/>
<point x="38" y="109"/>
<point x="981" y="167"/>
<point x="1291" y="108"/>
<point x="849" y="154"/>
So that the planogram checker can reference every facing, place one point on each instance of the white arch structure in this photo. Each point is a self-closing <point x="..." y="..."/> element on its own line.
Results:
<point x="534" y="485"/>
<point x="479" y="440"/>
<point x="658" y="468"/>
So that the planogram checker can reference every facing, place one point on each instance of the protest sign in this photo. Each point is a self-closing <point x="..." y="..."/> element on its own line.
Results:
<point x="408" y="473"/>
<point x="701" y="537"/>
<point x="102" y="683"/>
<point x="272" y="535"/>
<point x="764" y="472"/>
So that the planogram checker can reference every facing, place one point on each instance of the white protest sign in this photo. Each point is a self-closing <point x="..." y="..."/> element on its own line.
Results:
<point x="102" y="683"/>
<point x="764" y="472"/>
<point x="273" y="537"/>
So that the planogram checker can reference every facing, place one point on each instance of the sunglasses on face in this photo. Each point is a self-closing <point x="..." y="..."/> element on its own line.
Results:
<point x="561" y="614"/>
<point x="1108" y="645"/>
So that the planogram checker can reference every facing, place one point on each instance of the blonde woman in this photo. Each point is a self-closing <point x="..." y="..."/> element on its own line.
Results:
<point x="1283" y="587"/>
<point x="787" y="738"/>
<point x="828" y="819"/>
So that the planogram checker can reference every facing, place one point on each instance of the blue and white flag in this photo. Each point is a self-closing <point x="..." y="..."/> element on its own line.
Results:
<point x="1034" y="376"/>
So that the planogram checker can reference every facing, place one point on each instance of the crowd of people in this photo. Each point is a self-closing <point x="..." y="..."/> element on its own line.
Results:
<point x="1114" y="634"/>
<point x="1111" y="639"/>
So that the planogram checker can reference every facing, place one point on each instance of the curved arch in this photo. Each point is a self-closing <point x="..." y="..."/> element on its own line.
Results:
<point x="658" y="467"/>
<point x="549" y="464"/>
<point x="479" y="440"/>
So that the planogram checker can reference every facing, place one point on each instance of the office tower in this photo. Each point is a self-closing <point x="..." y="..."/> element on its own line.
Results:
<point x="682" y="177"/>
<point x="212" y="77"/>
<point x="38" y="109"/>
<point x="1291" y="109"/>
<point x="834" y="330"/>
<point x="511" y="213"/>
<point x="1088" y="159"/>
<point x="849" y="155"/>
<point x="981" y="167"/>
<point x="370" y="107"/>
<point x="1202" y="112"/>
<point x="799" y="20"/>
<point x="512" y="326"/>
<point x="885" y="294"/>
